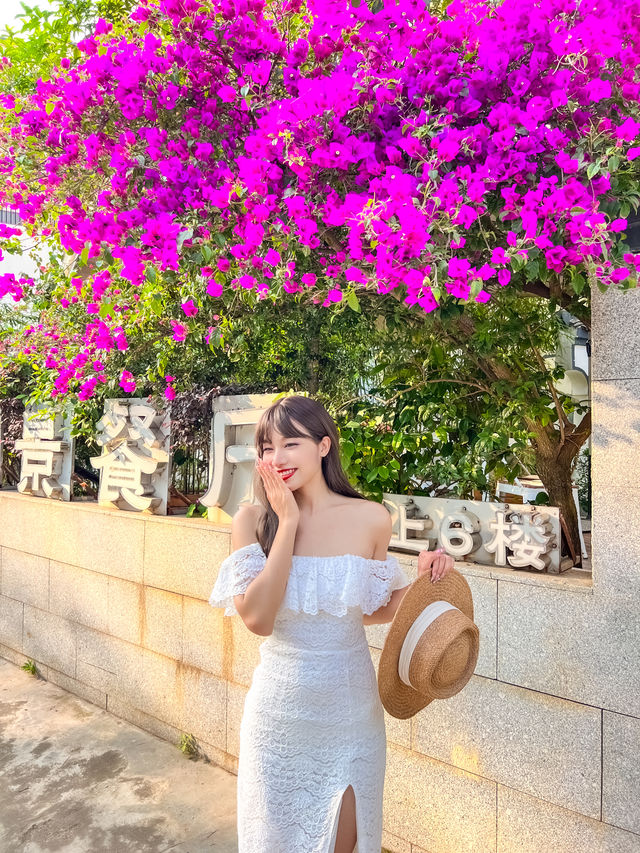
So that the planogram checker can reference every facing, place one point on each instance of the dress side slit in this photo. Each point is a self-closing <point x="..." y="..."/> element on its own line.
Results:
<point x="336" y="820"/>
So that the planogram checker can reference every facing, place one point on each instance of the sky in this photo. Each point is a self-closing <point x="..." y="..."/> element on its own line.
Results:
<point x="10" y="8"/>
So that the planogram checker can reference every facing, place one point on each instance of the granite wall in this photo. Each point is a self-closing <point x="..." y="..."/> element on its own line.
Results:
<point x="540" y="751"/>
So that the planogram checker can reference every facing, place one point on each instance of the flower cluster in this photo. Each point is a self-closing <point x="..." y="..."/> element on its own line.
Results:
<point x="234" y="145"/>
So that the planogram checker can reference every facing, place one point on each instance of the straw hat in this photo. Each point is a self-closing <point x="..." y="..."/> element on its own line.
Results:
<point x="431" y="648"/>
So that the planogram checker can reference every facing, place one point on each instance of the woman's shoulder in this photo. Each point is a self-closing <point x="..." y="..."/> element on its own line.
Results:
<point x="371" y="515"/>
<point x="375" y="510"/>
<point x="244" y="525"/>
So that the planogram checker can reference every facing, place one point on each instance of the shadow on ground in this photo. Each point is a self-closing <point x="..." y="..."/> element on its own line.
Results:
<point x="76" y="779"/>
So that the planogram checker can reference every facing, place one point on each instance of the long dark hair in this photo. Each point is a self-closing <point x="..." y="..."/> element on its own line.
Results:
<point x="280" y="417"/>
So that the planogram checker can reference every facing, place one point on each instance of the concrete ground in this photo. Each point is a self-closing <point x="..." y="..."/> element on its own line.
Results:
<point x="76" y="779"/>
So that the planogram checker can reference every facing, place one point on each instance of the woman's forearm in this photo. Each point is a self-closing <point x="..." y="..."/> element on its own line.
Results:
<point x="264" y="595"/>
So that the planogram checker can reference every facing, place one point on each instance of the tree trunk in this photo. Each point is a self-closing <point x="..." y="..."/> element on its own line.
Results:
<point x="555" y="455"/>
<point x="557" y="482"/>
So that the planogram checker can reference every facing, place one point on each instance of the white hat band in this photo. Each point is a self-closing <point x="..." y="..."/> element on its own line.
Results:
<point x="422" y="622"/>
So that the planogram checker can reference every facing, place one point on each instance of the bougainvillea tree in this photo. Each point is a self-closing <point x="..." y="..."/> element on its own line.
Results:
<point x="220" y="147"/>
<point x="215" y="154"/>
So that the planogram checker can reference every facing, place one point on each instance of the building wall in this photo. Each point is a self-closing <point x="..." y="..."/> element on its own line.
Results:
<point x="540" y="751"/>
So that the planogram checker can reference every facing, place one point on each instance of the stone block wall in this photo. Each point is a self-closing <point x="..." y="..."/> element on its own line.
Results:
<point x="540" y="753"/>
<point x="538" y="747"/>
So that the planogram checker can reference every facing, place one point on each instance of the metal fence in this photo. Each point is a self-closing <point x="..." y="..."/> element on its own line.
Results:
<point x="190" y="468"/>
<point x="9" y="217"/>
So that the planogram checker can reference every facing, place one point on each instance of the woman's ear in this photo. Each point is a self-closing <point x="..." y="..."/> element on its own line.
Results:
<point x="325" y="445"/>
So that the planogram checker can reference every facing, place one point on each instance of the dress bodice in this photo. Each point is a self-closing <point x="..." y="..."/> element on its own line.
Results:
<point x="320" y="632"/>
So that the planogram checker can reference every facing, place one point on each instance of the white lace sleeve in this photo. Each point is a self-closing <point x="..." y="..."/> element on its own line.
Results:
<point x="384" y="577"/>
<point x="235" y="574"/>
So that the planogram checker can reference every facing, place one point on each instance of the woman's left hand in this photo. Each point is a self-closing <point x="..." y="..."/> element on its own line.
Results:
<point x="436" y="563"/>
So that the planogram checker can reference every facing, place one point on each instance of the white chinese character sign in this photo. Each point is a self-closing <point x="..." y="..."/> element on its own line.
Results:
<point x="519" y="535"/>
<point x="46" y="450"/>
<point x="232" y="456"/>
<point x="134" y="465"/>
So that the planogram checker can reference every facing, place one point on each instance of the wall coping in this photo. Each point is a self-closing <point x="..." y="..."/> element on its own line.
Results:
<point x="573" y="580"/>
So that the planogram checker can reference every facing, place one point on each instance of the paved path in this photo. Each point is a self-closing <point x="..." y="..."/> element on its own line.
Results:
<point x="76" y="779"/>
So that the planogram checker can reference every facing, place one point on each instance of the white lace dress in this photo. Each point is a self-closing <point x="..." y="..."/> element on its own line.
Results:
<point x="313" y="722"/>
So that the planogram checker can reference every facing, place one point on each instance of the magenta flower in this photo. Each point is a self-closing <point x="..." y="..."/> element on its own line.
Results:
<point x="272" y="258"/>
<point x="620" y="274"/>
<point x="227" y="94"/>
<point x="127" y="382"/>
<point x="458" y="267"/>
<point x="190" y="308"/>
<point x="628" y="130"/>
<point x="355" y="274"/>
<point x="466" y="216"/>
<point x="179" y="331"/>
<point x="566" y="163"/>
<point x="87" y="388"/>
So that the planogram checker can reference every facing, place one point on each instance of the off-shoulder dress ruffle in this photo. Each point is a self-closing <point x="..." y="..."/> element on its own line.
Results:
<point x="332" y="584"/>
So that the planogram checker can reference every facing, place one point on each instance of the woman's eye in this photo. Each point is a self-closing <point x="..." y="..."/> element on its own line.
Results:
<point x="289" y="444"/>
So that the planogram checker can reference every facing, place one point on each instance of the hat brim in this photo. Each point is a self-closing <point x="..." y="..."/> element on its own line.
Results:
<point x="398" y="698"/>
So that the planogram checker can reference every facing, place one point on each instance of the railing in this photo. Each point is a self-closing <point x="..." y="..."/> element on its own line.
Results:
<point x="9" y="217"/>
<point x="189" y="473"/>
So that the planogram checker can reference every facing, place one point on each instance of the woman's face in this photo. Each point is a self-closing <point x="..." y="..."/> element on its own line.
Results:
<point x="296" y="459"/>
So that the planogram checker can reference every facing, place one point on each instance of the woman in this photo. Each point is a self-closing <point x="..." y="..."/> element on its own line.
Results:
<point x="309" y="569"/>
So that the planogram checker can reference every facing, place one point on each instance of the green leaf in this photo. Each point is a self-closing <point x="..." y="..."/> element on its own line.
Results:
<point x="578" y="282"/>
<point x="347" y="448"/>
<point x="352" y="301"/>
<point x="592" y="169"/>
<point x="187" y="234"/>
<point x="50" y="107"/>
<point x="532" y="270"/>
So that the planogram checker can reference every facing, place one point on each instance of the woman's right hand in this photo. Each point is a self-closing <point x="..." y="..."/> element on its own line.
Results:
<point x="280" y="496"/>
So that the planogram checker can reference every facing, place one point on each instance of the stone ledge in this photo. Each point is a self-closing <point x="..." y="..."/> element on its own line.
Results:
<point x="573" y="580"/>
<point x="93" y="506"/>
